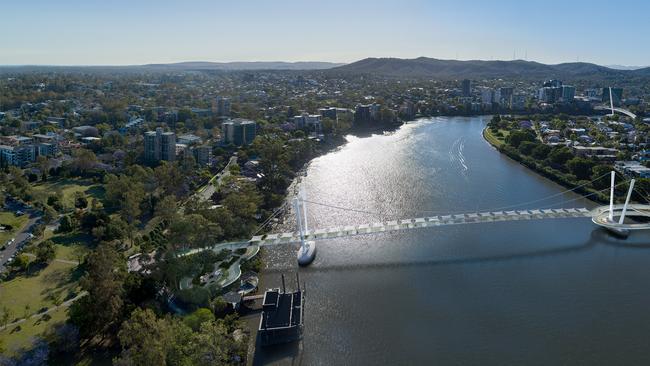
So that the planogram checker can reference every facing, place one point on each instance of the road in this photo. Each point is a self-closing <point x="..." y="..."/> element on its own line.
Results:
<point x="206" y="192"/>
<point x="22" y="236"/>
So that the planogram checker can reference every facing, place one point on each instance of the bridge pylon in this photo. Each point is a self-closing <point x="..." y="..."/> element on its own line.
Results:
<point x="307" y="251"/>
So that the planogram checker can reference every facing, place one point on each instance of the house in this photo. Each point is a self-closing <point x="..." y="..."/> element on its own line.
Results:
<point x="578" y="131"/>
<point x="526" y="124"/>
<point x="632" y="169"/>
<point x="599" y="152"/>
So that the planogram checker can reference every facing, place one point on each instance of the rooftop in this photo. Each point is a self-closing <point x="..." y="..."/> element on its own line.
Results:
<point x="281" y="310"/>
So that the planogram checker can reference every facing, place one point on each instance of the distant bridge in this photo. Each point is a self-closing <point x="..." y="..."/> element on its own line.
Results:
<point x="615" y="109"/>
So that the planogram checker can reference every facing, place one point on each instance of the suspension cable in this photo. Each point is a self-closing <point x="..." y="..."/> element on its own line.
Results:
<point x="268" y="220"/>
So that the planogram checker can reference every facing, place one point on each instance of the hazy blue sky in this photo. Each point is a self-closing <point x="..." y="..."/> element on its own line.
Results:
<point x="84" y="32"/>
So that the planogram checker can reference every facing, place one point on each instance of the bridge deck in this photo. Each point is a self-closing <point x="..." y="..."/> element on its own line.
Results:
<point x="405" y="224"/>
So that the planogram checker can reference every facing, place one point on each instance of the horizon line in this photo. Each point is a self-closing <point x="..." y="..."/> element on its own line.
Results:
<point x="613" y="66"/>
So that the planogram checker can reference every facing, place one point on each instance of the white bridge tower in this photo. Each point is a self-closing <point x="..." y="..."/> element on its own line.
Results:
<point x="307" y="251"/>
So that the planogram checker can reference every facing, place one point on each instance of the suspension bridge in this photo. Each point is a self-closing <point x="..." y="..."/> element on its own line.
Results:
<point x="614" y="109"/>
<point x="612" y="217"/>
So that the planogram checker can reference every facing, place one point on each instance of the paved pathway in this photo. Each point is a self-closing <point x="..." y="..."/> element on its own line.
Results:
<point x="64" y="304"/>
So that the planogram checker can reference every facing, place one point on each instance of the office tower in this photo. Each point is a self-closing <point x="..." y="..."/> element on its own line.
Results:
<point x="467" y="88"/>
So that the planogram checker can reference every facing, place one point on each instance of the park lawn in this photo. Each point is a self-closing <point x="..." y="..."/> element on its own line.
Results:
<point x="21" y="336"/>
<point x="74" y="252"/>
<point x="69" y="246"/>
<point x="68" y="187"/>
<point x="57" y="281"/>
<point x="17" y="223"/>
<point x="72" y="246"/>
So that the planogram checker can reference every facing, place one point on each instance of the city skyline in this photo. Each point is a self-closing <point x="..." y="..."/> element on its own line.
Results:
<point x="125" y="33"/>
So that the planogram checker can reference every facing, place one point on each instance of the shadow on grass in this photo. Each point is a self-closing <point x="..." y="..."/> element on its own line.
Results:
<point x="73" y="238"/>
<point x="96" y="192"/>
<point x="44" y="318"/>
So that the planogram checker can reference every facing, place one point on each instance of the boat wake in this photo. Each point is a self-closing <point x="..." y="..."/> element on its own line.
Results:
<point x="456" y="155"/>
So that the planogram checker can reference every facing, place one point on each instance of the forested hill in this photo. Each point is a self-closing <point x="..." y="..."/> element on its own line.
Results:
<point x="455" y="69"/>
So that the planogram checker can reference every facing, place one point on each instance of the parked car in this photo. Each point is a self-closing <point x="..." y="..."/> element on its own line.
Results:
<point x="19" y="213"/>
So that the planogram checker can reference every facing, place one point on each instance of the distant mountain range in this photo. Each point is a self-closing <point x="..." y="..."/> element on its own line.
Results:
<point x="448" y="69"/>
<point x="422" y="67"/>
<point x="624" y="67"/>
<point x="255" y="65"/>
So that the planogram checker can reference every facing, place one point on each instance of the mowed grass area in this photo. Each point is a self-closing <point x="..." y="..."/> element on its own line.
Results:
<point x="495" y="140"/>
<point x="54" y="284"/>
<point x="17" y="223"/>
<point x="21" y="336"/>
<point x="69" y="246"/>
<point x="68" y="188"/>
<point x="31" y="294"/>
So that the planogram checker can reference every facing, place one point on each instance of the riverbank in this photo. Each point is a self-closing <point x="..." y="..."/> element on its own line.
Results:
<point x="552" y="174"/>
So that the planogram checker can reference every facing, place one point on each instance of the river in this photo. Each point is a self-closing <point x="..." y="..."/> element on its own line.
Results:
<point x="531" y="292"/>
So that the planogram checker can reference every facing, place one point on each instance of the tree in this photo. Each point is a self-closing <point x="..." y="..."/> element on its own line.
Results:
<point x="214" y="345"/>
<point x="580" y="167"/>
<point x="55" y="201"/>
<point x="49" y="214"/>
<point x="199" y="317"/>
<point x="527" y="147"/>
<point x="192" y="231"/>
<point x="601" y="171"/>
<point x="97" y="313"/>
<point x="20" y="263"/>
<point x="45" y="251"/>
<point x="130" y="210"/>
<point x="67" y="224"/>
<point x="113" y="229"/>
<point x="166" y="209"/>
<point x="273" y="164"/>
<point x="43" y="165"/>
<point x="117" y="189"/>
<point x="145" y="339"/>
<point x="169" y="179"/>
<point x="79" y="252"/>
<point x="6" y="315"/>
<point x="541" y="152"/>
<point x="84" y="160"/>
<point x="560" y="156"/>
<point x="80" y="200"/>
<point x="515" y="138"/>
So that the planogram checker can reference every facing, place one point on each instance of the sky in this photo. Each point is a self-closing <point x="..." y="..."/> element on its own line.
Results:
<point x="134" y="32"/>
